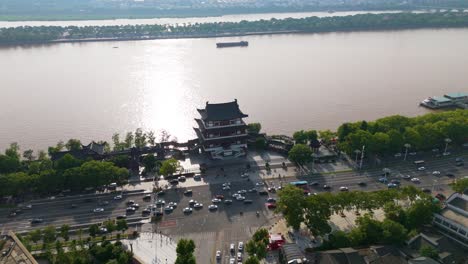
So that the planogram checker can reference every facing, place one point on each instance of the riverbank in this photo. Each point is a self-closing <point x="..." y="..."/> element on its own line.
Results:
<point x="363" y="22"/>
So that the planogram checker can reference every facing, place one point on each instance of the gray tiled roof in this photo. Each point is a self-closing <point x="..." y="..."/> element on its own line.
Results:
<point x="223" y="111"/>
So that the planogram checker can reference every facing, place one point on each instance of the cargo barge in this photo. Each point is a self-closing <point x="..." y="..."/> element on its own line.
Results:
<point x="232" y="44"/>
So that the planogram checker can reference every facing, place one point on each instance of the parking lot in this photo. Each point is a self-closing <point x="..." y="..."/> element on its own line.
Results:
<point x="215" y="230"/>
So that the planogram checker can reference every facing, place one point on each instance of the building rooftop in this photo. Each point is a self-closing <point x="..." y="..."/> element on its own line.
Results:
<point x="441" y="99"/>
<point x="454" y="216"/>
<point x="14" y="252"/>
<point x="457" y="95"/>
<point x="222" y="111"/>
<point x="459" y="202"/>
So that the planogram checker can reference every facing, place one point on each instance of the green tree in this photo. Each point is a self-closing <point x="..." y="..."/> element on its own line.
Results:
<point x="13" y="151"/>
<point x="185" y="249"/>
<point x="460" y="185"/>
<point x="129" y="139"/>
<point x="49" y="234"/>
<point x="64" y="232"/>
<point x="169" y="167"/>
<point x="35" y="235"/>
<point x="339" y="239"/>
<point x="326" y="136"/>
<point x="300" y="137"/>
<point x="121" y="225"/>
<point x="420" y="213"/>
<point x="291" y="203"/>
<point x="393" y="232"/>
<point x="311" y="135"/>
<point x="140" y="138"/>
<point x="260" y="143"/>
<point x="151" y="138"/>
<point x="428" y="251"/>
<point x="261" y="235"/>
<point x="67" y="162"/>
<point x="9" y="164"/>
<point x="300" y="154"/>
<point x="394" y="212"/>
<point x="93" y="230"/>
<point x="110" y="225"/>
<point x="73" y="144"/>
<point x="252" y="260"/>
<point x="254" y="128"/>
<point x="149" y="161"/>
<point x="29" y="155"/>
<point x="370" y="228"/>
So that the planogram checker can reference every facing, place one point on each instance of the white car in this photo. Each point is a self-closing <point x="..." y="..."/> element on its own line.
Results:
<point x="343" y="188"/>
<point x="212" y="207"/>
<point x="226" y="188"/>
<point x="168" y="209"/>
<point x="239" y="256"/>
<point x="413" y="153"/>
<point x="187" y="210"/>
<point x="198" y="205"/>
<point x="232" y="261"/>
<point x="216" y="200"/>
<point x="118" y="197"/>
<point x="421" y="168"/>
<point x="244" y="175"/>
<point x="98" y="210"/>
<point x="397" y="155"/>
<point x="240" y="247"/>
<point x="436" y="173"/>
<point x="242" y="191"/>
<point x="226" y="184"/>
<point x="415" y="180"/>
<point x="235" y="195"/>
<point x="240" y="198"/>
<point x="172" y="204"/>
<point x="446" y="153"/>
<point x="218" y="254"/>
<point x="259" y="184"/>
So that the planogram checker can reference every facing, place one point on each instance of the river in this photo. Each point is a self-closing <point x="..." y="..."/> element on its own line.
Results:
<point x="191" y="20"/>
<point x="286" y="82"/>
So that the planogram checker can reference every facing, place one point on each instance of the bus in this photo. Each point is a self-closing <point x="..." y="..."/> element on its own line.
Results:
<point x="303" y="185"/>
<point x="418" y="162"/>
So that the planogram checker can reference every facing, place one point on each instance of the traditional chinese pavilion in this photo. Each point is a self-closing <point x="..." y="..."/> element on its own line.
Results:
<point x="221" y="131"/>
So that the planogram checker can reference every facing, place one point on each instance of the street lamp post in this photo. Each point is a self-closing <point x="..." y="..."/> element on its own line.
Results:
<point x="357" y="151"/>
<point x="407" y="146"/>
<point x="447" y="141"/>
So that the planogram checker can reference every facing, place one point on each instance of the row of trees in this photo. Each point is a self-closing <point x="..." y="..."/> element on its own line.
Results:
<point x="390" y="134"/>
<point x="257" y="246"/>
<point x="18" y="177"/>
<point x="309" y="24"/>
<point x="315" y="211"/>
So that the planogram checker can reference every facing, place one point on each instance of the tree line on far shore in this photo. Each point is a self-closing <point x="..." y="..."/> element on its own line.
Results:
<point x="388" y="21"/>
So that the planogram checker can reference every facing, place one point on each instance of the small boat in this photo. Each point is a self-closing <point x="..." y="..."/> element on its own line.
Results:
<point x="232" y="44"/>
<point x="115" y="47"/>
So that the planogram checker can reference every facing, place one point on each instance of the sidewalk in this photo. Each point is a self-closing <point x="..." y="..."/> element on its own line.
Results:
<point x="153" y="248"/>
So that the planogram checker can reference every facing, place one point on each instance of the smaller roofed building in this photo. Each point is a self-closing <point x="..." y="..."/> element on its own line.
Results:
<point x="452" y="221"/>
<point x="92" y="150"/>
<point x="221" y="131"/>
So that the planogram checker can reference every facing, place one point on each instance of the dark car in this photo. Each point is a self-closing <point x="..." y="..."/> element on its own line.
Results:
<point x="119" y="217"/>
<point x="314" y="183"/>
<point x="158" y="213"/>
<point x="174" y="182"/>
<point x="248" y="201"/>
<point x="73" y="206"/>
<point x="161" y="193"/>
<point x="263" y="192"/>
<point x="440" y="196"/>
<point x="146" y="211"/>
<point x="36" y="221"/>
<point x="450" y="175"/>
<point x="426" y="190"/>
<point x="188" y="192"/>
<point x="87" y="200"/>
<point x="326" y="187"/>
<point x="147" y="197"/>
<point x="362" y="183"/>
<point x="395" y="182"/>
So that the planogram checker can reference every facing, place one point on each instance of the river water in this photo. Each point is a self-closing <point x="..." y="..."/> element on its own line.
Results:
<point x="191" y="20"/>
<point x="286" y="82"/>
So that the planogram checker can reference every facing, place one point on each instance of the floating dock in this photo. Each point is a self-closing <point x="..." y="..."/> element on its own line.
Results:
<point x="450" y="100"/>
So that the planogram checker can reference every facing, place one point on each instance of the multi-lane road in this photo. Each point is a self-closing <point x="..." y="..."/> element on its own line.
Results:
<point x="216" y="230"/>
